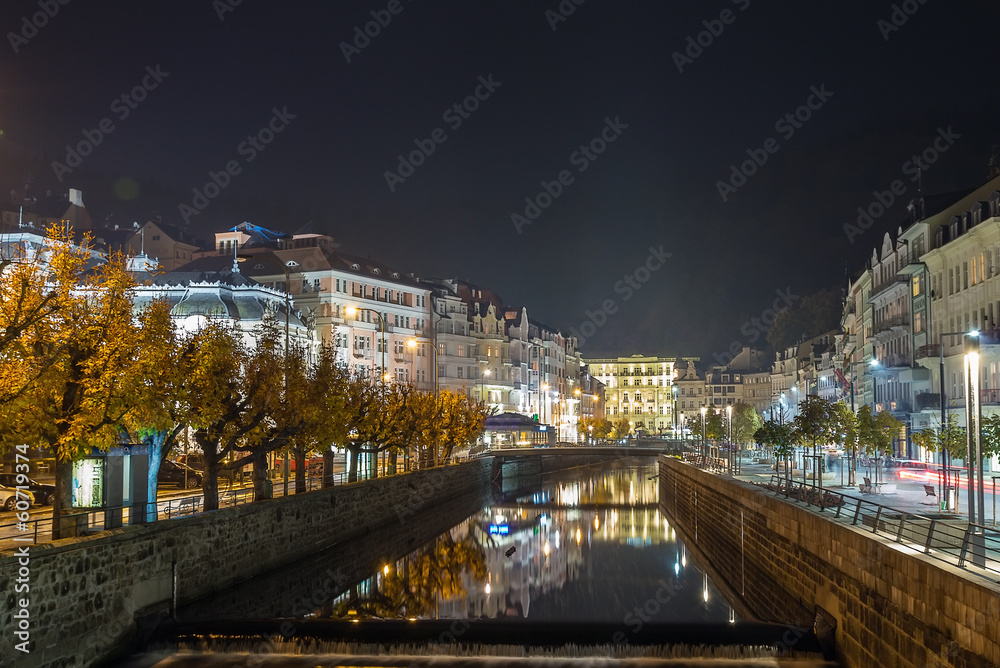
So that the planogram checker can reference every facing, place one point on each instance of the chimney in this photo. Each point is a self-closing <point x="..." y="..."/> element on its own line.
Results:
<point x="76" y="198"/>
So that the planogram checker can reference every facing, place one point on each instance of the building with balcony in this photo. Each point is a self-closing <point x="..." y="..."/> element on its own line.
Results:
<point x="691" y="395"/>
<point x="377" y="318"/>
<point x="639" y="388"/>
<point x="962" y="270"/>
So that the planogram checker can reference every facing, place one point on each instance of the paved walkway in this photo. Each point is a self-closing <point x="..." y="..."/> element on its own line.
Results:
<point x="908" y="495"/>
<point x="921" y="527"/>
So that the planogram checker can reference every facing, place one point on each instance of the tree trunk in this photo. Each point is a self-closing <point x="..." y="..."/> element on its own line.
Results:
<point x="210" y="487"/>
<point x="328" y="468"/>
<point x="300" y="471"/>
<point x="392" y="462"/>
<point x="352" y="476"/>
<point x="63" y="526"/>
<point x="261" y="488"/>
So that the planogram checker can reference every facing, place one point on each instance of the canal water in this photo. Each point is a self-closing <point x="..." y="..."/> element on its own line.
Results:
<point x="583" y="556"/>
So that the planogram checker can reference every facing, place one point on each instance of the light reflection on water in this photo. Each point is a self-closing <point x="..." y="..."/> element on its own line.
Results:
<point x="584" y="545"/>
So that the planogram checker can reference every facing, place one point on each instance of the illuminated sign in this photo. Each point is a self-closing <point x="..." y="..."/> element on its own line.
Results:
<point x="499" y="529"/>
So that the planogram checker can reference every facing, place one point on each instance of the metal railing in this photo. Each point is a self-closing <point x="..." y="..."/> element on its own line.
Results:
<point x="89" y="521"/>
<point x="952" y="540"/>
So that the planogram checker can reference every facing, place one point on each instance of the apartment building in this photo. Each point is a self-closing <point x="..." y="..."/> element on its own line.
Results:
<point x="639" y="388"/>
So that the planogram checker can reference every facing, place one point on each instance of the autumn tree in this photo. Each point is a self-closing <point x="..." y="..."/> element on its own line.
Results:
<point x="622" y="428"/>
<point x="746" y="422"/>
<point x="715" y="424"/>
<point x="877" y="434"/>
<point x="844" y="432"/>
<point x="89" y="365"/>
<point x="596" y="426"/>
<point x="33" y="293"/>
<point x="779" y="439"/>
<point x="813" y="425"/>
<point x="317" y="397"/>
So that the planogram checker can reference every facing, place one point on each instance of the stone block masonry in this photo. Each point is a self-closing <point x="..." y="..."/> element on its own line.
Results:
<point x="892" y="608"/>
<point x="85" y="592"/>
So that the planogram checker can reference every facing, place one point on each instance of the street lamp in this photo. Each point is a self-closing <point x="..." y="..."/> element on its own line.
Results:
<point x="353" y="311"/>
<point x="482" y="381"/>
<point x="729" y="424"/>
<point x="704" y="441"/>
<point x="673" y="391"/>
<point x="944" y="479"/>
<point x="973" y="419"/>
<point x="543" y="394"/>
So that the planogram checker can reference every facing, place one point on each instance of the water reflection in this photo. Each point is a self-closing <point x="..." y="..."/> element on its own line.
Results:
<point x="585" y="546"/>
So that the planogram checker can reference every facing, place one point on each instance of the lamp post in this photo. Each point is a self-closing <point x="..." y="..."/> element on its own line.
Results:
<point x="729" y="424"/>
<point x="704" y="441"/>
<point x="974" y="463"/>
<point x="354" y="310"/>
<point x="543" y="393"/>
<point x="482" y="381"/>
<point x="673" y="391"/>
<point x="944" y="480"/>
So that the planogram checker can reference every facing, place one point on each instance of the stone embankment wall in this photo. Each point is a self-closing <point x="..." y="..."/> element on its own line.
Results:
<point x="892" y="608"/>
<point x="85" y="592"/>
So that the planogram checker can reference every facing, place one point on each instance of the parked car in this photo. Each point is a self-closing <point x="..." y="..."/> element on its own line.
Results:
<point x="44" y="494"/>
<point x="174" y="473"/>
<point x="8" y="498"/>
<point x="194" y="460"/>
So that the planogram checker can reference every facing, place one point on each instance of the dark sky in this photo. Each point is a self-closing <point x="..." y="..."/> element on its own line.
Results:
<point x="887" y="94"/>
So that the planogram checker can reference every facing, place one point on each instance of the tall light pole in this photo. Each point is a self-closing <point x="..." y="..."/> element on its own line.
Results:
<point x="482" y="382"/>
<point x="944" y="479"/>
<point x="673" y="392"/>
<point x="729" y="424"/>
<point x="354" y="310"/>
<point x="704" y="441"/>
<point x="973" y="420"/>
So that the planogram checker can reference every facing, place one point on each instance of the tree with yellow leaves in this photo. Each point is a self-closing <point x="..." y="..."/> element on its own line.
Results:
<point x="84" y="364"/>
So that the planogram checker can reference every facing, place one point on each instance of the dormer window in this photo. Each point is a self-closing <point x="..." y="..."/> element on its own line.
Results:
<point x="376" y="271"/>
<point x="395" y="274"/>
<point x="291" y="263"/>
<point x="355" y="266"/>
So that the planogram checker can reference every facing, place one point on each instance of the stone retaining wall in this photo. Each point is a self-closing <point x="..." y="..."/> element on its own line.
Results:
<point x="85" y="592"/>
<point x="892" y="608"/>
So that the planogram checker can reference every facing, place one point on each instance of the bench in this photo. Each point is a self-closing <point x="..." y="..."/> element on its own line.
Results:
<point x="931" y="495"/>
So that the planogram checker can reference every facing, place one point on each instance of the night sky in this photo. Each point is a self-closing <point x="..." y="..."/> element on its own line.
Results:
<point x="675" y="116"/>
